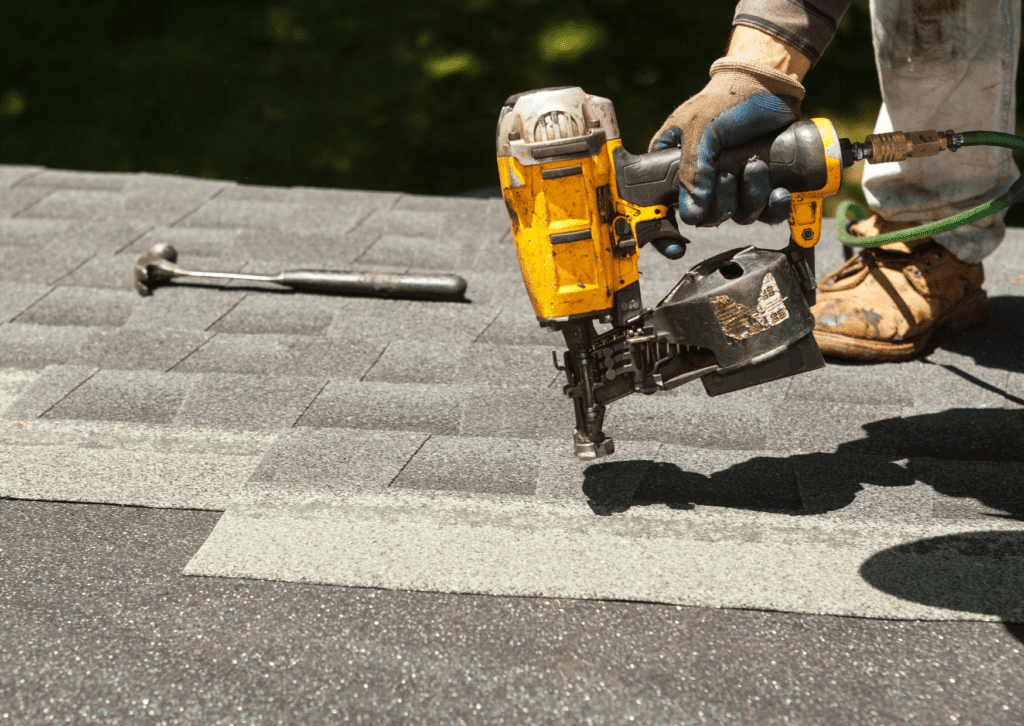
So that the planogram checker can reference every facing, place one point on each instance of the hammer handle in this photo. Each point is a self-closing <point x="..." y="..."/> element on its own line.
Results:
<point x="376" y="284"/>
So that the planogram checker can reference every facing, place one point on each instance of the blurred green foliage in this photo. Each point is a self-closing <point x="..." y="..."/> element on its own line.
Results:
<point x="356" y="94"/>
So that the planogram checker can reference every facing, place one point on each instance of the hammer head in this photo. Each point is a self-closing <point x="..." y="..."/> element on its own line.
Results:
<point x="154" y="267"/>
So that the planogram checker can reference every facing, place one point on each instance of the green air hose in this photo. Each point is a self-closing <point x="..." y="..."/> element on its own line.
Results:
<point x="955" y="141"/>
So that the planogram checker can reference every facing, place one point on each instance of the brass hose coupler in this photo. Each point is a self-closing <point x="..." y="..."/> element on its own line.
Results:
<point x="900" y="145"/>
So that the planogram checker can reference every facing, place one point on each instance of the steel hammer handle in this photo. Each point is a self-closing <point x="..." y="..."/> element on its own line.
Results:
<point x="377" y="284"/>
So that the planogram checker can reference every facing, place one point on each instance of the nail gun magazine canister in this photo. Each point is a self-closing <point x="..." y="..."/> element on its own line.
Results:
<point x="555" y="161"/>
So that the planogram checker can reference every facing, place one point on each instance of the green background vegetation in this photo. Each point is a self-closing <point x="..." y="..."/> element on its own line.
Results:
<point x="366" y="95"/>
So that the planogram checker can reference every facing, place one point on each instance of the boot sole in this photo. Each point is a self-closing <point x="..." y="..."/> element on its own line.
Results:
<point x="971" y="310"/>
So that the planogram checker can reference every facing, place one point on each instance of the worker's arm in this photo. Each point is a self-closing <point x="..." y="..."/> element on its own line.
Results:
<point x="754" y="90"/>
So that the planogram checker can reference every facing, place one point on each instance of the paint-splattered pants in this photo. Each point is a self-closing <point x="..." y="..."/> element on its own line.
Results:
<point x="946" y="64"/>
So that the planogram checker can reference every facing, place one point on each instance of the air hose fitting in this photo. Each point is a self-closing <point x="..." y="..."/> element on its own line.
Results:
<point x="898" y="146"/>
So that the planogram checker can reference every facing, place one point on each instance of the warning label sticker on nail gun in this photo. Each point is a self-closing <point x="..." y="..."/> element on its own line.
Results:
<point x="741" y="322"/>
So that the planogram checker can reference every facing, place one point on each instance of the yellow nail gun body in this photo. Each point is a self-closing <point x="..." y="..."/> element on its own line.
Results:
<point x="581" y="206"/>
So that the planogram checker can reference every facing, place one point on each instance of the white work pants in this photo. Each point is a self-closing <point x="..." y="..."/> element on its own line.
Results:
<point x="946" y="64"/>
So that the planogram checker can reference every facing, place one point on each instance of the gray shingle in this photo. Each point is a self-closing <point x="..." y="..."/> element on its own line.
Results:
<point x="685" y="476"/>
<point x="486" y="226"/>
<point x="278" y="313"/>
<point x="78" y="180"/>
<point x="402" y="223"/>
<point x="507" y="365"/>
<point x="37" y="346"/>
<point x="369" y="319"/>
<point x="514" y="327"/>
<point x="502" y="289"/>
<point x="517" y="412"/>
<point x="56" y="382"/>
<point x="154" y="204"/>
<point x="251" y="403"/>
<point x="250" y="193"/>
<point x="454" y="323"/>
<point x="301" y="218"/>
<point x="192" y="243"/>
<point x="281" y="355"/>
<point x="403" y="407"/>
<point x="12" y="174"/>
<point x="112" y="272"/>
<point x="499" y="466"/>
<point x="607" y="484"/>
<point x="824" y="425"/>
<point x="81" y="306"/>
<point x="887" y="383"/>
<point x="135" y="396"/>
<point x="498" y="255"/>
<point x="342" y="197"/>
<point x="973" y="489"/>
<point x="423" y="253"/>
<point x="182" y="306"/>
<point x="26" y="266"/>
<point x="441" y="362"/>
<point x="944" y="379"/>
<point x="964" y="434"/>
<point x="335" y="459"/>
<point x="16" y="298"/>
<point x="832" y="482"/>
<point x="714" y="423"/>
<point x="32" y="233"/>
<point x="135" y="348"/>
<point x="431" y="203"/>
<point x="76" y="239"/>
<point x="273" y="250"/>
<point x="18" y="199"/>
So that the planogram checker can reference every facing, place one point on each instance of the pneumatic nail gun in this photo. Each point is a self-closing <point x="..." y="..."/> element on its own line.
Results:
<point x="581" y="207"/>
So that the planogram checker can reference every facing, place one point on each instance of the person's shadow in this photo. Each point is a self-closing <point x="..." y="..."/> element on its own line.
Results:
<point x="973" y="457"/>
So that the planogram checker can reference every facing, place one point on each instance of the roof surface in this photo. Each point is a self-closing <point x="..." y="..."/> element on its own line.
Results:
<point x="426" y="445"/>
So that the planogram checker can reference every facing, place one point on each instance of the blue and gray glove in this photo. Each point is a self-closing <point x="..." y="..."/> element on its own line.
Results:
<point x="744" y="100"/>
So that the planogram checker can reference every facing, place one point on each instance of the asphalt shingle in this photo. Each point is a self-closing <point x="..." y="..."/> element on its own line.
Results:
<point x="435" y="409"/>
<point x="250" y="403"/>
<point x="684" y="476"/>
<point x="182" y="307"/>
<point x="81" y="307"/>
<point x="517" y="412"/>
<point x="60" y="179"/>
<point x="36" y="346"/>
<point x="15" y="299"/>
<point x="12" y="174"/>
<point x="134" y="348"/>
<point x="470" y="464"/>
<point x="17" y="200"/>
<point x="281" y="355"/>
<point x="132" y="396"/>
<point x="54" y="383"/>
<point x="283" y="217"/>
<point x="307" y="459"/>
<point x="280" y="313"/>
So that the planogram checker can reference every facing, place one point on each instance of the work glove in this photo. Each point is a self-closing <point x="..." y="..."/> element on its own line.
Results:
<point x="744" y="100"/>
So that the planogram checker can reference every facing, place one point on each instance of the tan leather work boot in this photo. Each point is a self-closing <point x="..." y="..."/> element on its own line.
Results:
<point x="884" y="304"/>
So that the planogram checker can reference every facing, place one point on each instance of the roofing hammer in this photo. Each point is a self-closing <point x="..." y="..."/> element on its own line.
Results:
<point x="158" y="266"/>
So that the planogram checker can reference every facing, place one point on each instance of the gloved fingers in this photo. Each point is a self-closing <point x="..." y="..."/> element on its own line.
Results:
<point x="755" y="189"/>
<point x="670" y="248"/>
<point x="778" y="207"/>
<point x="671" y="137"/>
<point x="699" y="179"/>
<point x="725" y="200"/>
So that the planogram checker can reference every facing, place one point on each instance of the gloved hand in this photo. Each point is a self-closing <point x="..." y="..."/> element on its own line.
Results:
<point x="745" y="99"/>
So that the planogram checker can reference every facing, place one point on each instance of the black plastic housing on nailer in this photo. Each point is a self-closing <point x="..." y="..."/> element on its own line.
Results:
<point x="747" y="308"/>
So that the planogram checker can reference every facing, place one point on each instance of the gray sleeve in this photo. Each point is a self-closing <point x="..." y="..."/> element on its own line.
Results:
<point x="807" y="26"/>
